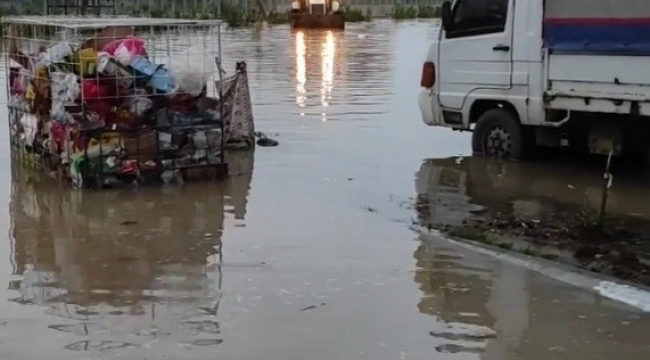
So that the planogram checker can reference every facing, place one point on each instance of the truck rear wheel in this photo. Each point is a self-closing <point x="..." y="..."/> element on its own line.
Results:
<point x="498" y="134"/>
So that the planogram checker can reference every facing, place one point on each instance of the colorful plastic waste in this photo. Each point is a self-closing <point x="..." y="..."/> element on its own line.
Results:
<point x="108" y="113"/>
<point x="124" y="50"/>
<point x="155" y="76"/>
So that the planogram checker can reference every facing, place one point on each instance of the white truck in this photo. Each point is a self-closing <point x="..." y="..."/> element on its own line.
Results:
<point x="527" y="73"/>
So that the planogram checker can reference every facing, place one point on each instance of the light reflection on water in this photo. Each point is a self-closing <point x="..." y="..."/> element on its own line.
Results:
<point x="308" y="49"/>
<point x="329" y="48"/>
<point x="301" y="69"/>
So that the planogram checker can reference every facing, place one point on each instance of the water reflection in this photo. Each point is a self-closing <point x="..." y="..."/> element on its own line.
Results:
<point x="301" y="69"/>
<point x="327" y="69"/>
<point x="142" y="263"/>
<point x="456" y="294"/>
<point x="492" y="310"/>
<point x="322" y="45"/>
<point x="449" y="188"/>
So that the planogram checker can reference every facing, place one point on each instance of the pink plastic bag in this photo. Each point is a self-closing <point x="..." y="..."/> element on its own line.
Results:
<point x="123" y="50"/>
<point x="19" y="84"/>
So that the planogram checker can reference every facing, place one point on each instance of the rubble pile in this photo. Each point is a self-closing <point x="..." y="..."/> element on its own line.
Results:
<point x="100" y="112"/>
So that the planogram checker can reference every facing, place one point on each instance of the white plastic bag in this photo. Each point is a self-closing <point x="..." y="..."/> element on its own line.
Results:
<point x="53" y="54"/>
<point x="65" y="87"/>
<point x="138" y="105"/>
<point x="59" y="51"/>
<point x="58" y="112"/>
<point x="123" y="55"/>
<point x="30" y="126"/>
<point x="103" y="63"/>
<point x="191" y="70"/>
<point x="65" y="90"/>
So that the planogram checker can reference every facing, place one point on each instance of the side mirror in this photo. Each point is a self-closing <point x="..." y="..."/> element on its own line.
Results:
<point x="446" y="16"/>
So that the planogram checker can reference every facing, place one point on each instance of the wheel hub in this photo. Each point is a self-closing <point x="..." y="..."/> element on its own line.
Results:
<point x="498" y="142"/>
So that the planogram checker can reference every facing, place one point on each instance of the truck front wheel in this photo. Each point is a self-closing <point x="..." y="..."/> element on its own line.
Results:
<point x="498" y="134"/>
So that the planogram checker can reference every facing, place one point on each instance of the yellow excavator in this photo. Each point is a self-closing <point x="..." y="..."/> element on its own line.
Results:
<point x="316" y="14"/>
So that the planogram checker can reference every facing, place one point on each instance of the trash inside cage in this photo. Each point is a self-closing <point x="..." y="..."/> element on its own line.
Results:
<point x="108" y="101"/>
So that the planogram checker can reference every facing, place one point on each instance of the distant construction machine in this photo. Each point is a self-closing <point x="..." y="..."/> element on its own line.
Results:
<point x="316" y="14"/>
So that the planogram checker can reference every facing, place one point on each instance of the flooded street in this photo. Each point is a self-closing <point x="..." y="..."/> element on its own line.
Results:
<point x="305" y="252"/>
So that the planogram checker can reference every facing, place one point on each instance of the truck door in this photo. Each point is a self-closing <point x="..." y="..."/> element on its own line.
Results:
<point x="476" y="50"/>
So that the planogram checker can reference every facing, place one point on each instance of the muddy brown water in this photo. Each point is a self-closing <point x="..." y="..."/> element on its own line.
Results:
<point x="305" y="251"/>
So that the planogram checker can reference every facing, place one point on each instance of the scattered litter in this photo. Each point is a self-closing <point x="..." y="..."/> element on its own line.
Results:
<point x="265" y="141"/>
<point x="311" y="307"/>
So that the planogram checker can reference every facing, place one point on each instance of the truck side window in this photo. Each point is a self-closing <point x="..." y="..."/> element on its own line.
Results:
<point x="478" y="17"/>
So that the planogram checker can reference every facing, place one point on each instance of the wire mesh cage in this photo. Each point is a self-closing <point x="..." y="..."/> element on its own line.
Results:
<point x="106" y="101"/>
<point x="80" y="7"/>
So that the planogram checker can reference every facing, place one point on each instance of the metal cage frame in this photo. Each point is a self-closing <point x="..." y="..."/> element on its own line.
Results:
<point x="79" y="7"/>
<point x="39" y="30"/>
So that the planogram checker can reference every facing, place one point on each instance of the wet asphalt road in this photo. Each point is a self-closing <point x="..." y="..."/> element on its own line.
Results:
<point x="305" y="253"/>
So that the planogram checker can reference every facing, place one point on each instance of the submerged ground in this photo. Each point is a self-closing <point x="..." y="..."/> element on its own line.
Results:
<point x="306" y="251"/>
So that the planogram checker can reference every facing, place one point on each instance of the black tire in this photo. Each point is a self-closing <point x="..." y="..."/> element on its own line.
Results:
<point x="498" y="134"/>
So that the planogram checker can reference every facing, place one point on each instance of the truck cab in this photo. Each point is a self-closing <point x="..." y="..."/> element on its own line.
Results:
<point x="541" y="73"/>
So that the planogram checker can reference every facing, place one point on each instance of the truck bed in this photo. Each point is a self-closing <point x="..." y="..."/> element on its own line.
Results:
<point x="598" y="83"/>
<point x="597" y="55"/>
<point x="599" y="76"/>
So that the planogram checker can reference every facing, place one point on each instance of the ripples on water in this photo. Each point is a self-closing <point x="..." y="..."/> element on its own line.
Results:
<point x="114" y="265"/>
<point x="335" y="75"/>
<point x="130" y="270"/>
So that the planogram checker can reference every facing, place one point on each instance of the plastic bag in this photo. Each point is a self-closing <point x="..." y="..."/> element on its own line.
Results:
<point x="30" y="126"/>
<point x="191" y="70"/>
<point x="53" y="54"/>
<point x="139" y="104"/>
<point x="58" y="113"/>
<point x="65" y="87"/>
<point x="20" y="83"/>
<point x="92" y="89"/>
<point x="109" y="67"/>
<point x="158" y="76"/>
<point x="125" y="49"/>
<point x="18" y="103"/>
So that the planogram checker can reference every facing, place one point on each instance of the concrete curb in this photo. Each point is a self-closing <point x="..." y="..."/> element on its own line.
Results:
<point x="631" y="294"/>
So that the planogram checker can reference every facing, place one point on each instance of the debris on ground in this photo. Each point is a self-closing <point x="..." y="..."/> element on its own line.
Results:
<point x="620" y="248"/>
<point x="263" y="140"/>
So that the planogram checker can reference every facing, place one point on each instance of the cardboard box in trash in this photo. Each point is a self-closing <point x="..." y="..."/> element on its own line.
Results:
<point x="143" y="146"/>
